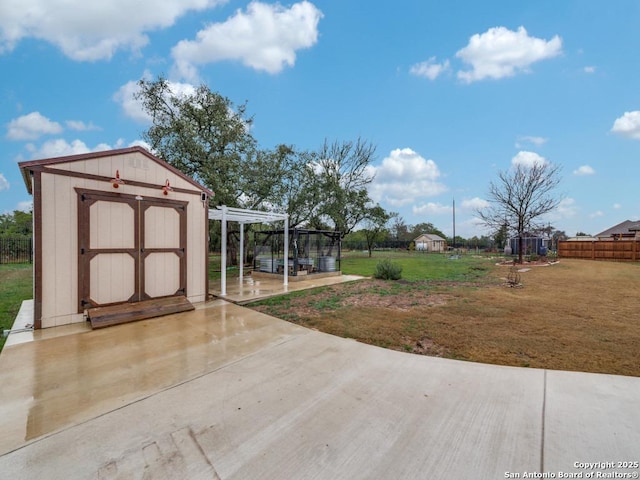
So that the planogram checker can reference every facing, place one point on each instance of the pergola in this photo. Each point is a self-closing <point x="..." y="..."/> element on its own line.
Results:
<point x="242" y="216"/>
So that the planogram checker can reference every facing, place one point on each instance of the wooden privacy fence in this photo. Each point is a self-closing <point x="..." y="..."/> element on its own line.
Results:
<point x="16" y="250"/>
<point x="619" y="250"/>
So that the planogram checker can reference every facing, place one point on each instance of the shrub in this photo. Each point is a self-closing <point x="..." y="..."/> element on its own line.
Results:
<point x="387" y="270"/>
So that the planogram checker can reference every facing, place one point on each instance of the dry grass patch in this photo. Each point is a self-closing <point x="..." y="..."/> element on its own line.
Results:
<point x="575" y="315"/>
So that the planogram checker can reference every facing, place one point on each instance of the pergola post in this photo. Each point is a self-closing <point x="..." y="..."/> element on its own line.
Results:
<point x="286" y="251"/>
<point x="242" y="216"/>
<point x="223" y="253"/>
<point x="241" y="252"/>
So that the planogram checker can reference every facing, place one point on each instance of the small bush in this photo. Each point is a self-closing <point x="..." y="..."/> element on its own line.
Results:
<point x="387" y="270"/>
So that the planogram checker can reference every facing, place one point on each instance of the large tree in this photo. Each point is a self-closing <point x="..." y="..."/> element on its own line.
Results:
<point x="205" y="135"/>
<point x="520" y="197"/>
<point x="298" y="191"/>
<point x="400" y="229"/>
<point x="343" y="174"/>
<point x="426" y="227"/>
<point x="375" y="225"/>
<point x="17" y="224"/>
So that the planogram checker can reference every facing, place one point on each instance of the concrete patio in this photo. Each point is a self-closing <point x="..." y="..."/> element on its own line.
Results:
<point x="251" y="288"/>
<point x="225" y="392"/>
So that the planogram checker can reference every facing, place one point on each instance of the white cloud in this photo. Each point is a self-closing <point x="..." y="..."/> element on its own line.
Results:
<point x="141" y="143"/>
<point x="431" y="208"/>
<point x="31" y="127"/>
<point x="589" y="69"/>
<point x="80" y="126"/>
<point x="25" y="206"/>
<point x="500" y="52"/>
<point x="86" y="30"/>
<point x="527" y="139"/>
<point x="266" y="37"/>
<point x="584" y="170"/>
<point x="527" y="159"/>
<point x="132" y="107"/>
<point x="404" y="177"/>
<point x="567" y="208"/>
<point x="429" y="69"/>
<point x="628" y="125"/>
<point x="617" y="206"/>
<point x="596" y="214"/>
<point x="4" y="183"/>
<point x="474" y="204"/>
<point x="61" y="148"/>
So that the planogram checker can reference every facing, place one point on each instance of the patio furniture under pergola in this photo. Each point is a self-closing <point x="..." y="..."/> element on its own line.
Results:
<point x="243" y="216"/>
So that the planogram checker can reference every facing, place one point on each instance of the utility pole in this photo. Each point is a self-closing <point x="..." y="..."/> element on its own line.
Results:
<point x="454" y="223"/>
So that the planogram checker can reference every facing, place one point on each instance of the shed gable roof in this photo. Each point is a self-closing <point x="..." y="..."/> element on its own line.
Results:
<point x="431" y="237"/>
<point x="29" y="165"/>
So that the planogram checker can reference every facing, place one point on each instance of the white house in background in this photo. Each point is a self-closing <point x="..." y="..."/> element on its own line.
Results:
<point x="429" y="242"/>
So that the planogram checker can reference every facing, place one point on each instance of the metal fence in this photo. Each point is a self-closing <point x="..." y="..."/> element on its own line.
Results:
<point x="380" y="245"/>
<point x="16" y="250"/>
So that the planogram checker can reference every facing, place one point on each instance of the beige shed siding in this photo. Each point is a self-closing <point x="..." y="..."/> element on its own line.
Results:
<point x="59" y="252"/>
<point x="162" y="273"/>
<point x="112" y="277"/>
<point x="197" y="235"/>
<point x="132" y="167"/>
<point x="162" y="228"/>
<point x="162" y="269"/>
<point x="60" y="234"/>
<point x="111" y="225"/>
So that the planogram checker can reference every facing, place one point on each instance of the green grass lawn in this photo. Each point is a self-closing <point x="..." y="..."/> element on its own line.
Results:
<point x="214" y="268"/>
<point x="16" y="285"/>
<point x="415" y="265"/>
<point x="418" y="269"/>
<point x="419" y="266"/>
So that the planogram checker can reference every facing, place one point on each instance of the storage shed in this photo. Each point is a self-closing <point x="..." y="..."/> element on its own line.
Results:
<point x="429" y="242"/>
<point x="115" y="228"/>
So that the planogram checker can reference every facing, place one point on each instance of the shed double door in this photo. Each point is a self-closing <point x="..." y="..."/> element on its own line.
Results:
<point x="131" y="248"/>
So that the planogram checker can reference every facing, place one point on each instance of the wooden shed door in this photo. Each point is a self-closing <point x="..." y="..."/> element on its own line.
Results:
<point x="130" y="248"/>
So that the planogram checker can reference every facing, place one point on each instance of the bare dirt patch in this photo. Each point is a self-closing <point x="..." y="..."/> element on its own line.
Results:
<point x="577" y="315"/>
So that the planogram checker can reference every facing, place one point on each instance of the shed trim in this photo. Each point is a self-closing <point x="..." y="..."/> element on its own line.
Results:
<point x="31" y="165"/>
<point x="102" y="178"/>
<point x="37" y="245"/>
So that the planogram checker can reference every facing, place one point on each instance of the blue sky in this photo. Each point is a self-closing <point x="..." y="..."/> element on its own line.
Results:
<point x="449" y="92"/>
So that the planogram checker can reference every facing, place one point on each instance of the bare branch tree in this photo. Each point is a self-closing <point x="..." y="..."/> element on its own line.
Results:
<point x="343" y="171"/>
<point x="520" y="197"/>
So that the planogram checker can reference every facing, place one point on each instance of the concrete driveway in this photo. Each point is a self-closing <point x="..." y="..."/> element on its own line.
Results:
<point x="225" y="392"/>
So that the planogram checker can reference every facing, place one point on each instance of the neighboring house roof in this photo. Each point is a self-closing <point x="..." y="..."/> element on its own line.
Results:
<point x="429" y="237"/>
<point x="625" y="228"/>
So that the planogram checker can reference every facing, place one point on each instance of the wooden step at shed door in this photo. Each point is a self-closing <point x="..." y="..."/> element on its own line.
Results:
<point x="130" y="312"/>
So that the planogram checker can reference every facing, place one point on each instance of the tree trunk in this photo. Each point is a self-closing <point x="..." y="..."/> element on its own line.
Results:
<point x="520" y="241"/>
